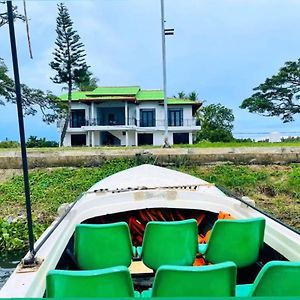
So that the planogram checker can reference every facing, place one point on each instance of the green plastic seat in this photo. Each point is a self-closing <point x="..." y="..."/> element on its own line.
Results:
<point x="102" y="246"/>
<point x="234" y="240"/>
<point x="275" y="279"/>
<point x="169" y="243"/>
<point x="110" y="282"/>
<point x="205" y="281"/>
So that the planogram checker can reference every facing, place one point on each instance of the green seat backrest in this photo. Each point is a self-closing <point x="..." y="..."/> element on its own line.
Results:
<point x="102" y="246"/>
<point x="236" y="240"/>
<point x="169" y="243"/>
<point x="209" y="281"/>
<point x="277" y="278"/>
<point x="110" y="282"/>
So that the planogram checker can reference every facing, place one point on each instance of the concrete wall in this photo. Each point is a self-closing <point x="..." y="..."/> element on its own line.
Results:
<point x="188" y="156"/>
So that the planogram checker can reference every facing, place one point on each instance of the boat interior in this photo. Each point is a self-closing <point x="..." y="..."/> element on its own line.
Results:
<point x="136" y="221"/>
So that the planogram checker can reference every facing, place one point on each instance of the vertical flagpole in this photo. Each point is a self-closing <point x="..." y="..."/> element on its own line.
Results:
<point x="163" y="44"/>
<point x="21" y="123"/>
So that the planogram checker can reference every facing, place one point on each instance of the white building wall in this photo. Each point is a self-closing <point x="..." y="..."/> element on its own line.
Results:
<point x="67" y="140"/>
<point x="133" y="113"/>
<point x="131" y="138"/>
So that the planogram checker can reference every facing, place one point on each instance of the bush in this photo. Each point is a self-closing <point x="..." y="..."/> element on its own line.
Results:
<point x="9" y="144"/>
<point x="34" y="142"/>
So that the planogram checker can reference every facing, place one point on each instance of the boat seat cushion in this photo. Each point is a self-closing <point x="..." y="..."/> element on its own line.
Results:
<point x="169" y="243"/>
<point x="102" y="246"/>
<point x="234" y="240"/>
<point x="186" y="281"/>
<point x="109" y="282"/>
<point x="275" y="279"/>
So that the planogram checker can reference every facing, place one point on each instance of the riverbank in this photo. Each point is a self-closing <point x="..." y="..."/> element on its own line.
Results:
<point x="275" y="188"/>
<point x="95" y="157"/>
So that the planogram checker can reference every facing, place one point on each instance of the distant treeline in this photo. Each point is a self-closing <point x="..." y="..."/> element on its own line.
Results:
<point x="32" y="142"/>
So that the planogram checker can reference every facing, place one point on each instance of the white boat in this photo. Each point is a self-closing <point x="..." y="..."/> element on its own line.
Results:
<point x="136" y="189"/>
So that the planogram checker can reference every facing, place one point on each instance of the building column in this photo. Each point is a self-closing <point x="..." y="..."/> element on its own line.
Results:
<point x="126" y="114"/>
<point x="126" y="138"/>
<point x="137" y="116"/>
<point x="88" y="139"/>
<point x="136" y="138"/>
<point x="93" y="138"/>
<point x="92" y="113"/>
<point x="190" y="138"/>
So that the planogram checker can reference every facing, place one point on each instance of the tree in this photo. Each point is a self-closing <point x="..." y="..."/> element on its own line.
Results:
<point x="216" y="123"/>
<point x="68" y="62"/>
<point x="87" y="82"/>
<point x="278" y="95"/>
<point x="182" y="95"/>
<point x="33" y="100"/>
<point x="4" y="17"/>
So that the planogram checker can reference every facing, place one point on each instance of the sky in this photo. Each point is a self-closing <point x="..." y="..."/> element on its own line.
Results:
<point x="221" y="49"/>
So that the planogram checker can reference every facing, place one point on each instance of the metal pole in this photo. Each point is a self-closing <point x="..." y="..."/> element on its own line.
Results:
<point x="21" y="123"/>
<point x="163" y="44"/>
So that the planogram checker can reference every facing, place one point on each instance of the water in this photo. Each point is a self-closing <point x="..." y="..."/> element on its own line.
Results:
<point x="8" y="262"/>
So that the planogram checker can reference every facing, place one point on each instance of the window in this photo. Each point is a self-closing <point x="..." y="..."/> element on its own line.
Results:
<point x="77" y="118"/>
<point x="145" y="139"/>
<point x="78" y="140"/>
<point x="147" y="117"/>
<point x="181" y="138"/>
<point x="175" y="117"/>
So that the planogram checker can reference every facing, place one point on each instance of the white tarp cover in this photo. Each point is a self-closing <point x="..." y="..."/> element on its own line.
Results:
<point x="146" y="176"/>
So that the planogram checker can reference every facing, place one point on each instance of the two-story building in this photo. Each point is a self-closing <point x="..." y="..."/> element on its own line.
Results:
<point x="128" y="116"/>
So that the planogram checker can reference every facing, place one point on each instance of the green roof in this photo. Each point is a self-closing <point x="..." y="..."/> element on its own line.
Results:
<point x="180" y="101"/>
<point x="75" y="96"/>
<point x="114" y="90"/>
<point x="143" y="95"/>
<point x="125" y="92"/>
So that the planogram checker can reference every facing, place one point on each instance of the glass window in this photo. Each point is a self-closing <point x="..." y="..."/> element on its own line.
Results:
<point x="77" y="118"/>
<point x="147" y="117"/>
<point x="175" y="117"/>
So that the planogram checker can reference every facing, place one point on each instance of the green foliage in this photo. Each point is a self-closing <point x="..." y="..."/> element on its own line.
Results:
<point x="278" y="95"/>
<point x="69" y="60"/>
<point x="14" y="235"/>
<point x="276" y="189"/>
<point x="216" y="123"/>
<point x="34" y="142"/>
<point x="32" y="98"/>
<point x="291" y="139"/>
<point x="4" y="16"/>
<point x="9" y="144"/>
<point x="87" y="82"/>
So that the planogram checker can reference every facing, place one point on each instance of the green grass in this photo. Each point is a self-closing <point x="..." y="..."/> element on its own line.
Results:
<point x="199" y="145"/>
<point x="276" y="189"/>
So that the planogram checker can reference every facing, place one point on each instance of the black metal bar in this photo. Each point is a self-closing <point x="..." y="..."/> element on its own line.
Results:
<point x="42" y="242"/>
<point x="21" y="122"/>
<point x="232" y="195"/>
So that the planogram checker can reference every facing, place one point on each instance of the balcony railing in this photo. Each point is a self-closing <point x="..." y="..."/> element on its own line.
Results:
<point x="97" y="122"/>
<point x="134" y="122"/>
<point x="172" y="123"/>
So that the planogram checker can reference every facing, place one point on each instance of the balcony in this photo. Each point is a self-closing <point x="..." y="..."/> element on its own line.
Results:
<point x="100" y="122"/>
<point x="172" y="123"/>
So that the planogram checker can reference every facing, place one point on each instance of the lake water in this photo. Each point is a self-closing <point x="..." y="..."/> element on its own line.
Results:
<point x="8" y="262"/>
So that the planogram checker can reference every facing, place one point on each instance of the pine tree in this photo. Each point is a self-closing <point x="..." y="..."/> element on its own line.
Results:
<point x="69" y="59"/>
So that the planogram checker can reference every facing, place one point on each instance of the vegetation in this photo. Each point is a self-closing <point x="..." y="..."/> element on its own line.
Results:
<point x="35" y="142"/>
<point x="276" y="189"/>
<point x="4" y="16"/>
<point x="31" y="98"/>
<point x="9" y="144"/>
<point x="278" y="95"/>
<point x="69" y="60"/>
<point x="216" y="123"/>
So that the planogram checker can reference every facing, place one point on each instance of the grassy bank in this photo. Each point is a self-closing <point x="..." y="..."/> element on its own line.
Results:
<point x="276" y="189"/>
<point x="204" y="144"/>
